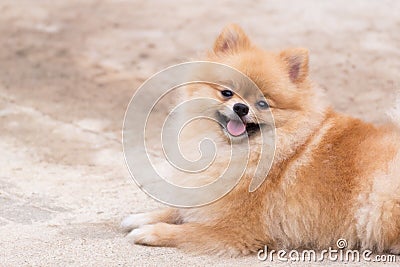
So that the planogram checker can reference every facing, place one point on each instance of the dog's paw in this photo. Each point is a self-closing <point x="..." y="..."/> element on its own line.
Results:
<point x="395" y="249"/>
<point x="134" y="221"/>
<point x="145" y="235"/>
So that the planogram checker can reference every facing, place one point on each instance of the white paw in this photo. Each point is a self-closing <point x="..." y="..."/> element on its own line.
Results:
<point x="145" y="235"/>
<point x="135" y="220"/>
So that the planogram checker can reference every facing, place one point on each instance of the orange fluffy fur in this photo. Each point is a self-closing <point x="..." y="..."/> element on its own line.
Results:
<point x="332" y="177"/>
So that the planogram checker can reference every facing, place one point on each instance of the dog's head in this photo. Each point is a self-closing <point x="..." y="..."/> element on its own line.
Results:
<point x="282" y="78"/>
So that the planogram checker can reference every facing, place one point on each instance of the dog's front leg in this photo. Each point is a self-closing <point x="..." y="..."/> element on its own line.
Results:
<point x="167" y="215"/>
<point x="195" y="238"/>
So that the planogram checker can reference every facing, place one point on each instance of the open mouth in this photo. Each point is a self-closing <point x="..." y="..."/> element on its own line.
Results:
<point x="237" y="127"/>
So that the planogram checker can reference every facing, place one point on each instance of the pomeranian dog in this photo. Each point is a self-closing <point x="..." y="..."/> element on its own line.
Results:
<point x="332" y="176"/>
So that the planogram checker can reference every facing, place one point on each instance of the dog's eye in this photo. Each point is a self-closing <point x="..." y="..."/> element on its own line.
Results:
<point x="262" y="104"/>
<point x="227" y="93"/>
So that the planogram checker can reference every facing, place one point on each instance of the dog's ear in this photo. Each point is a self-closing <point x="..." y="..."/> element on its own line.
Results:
<point x="231" y="39"/>
<point x="296" y="62"/>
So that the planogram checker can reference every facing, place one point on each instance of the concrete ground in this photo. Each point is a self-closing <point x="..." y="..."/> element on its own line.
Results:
<point x="69" y="68"/>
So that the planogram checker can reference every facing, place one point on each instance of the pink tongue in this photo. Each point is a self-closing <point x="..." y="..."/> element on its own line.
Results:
<point x="236" y="127"/>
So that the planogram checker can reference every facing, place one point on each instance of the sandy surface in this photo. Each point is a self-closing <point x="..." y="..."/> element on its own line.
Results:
<point x="69" y="68"/>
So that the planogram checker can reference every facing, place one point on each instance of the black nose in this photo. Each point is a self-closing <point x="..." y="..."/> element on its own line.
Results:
<point x="241" y="109"/>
